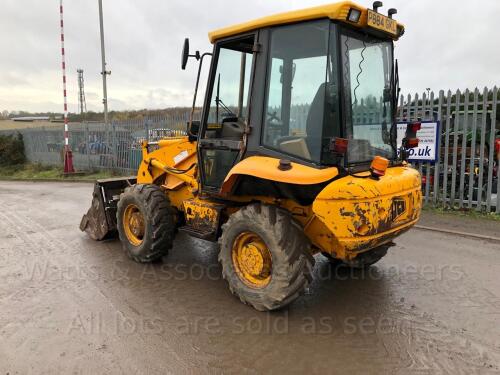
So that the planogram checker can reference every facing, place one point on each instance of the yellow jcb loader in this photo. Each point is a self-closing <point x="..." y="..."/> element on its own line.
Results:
<point x="294" y="154"/>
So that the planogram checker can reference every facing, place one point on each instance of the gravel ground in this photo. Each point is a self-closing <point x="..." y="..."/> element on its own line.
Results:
<point x="71" y="305"/>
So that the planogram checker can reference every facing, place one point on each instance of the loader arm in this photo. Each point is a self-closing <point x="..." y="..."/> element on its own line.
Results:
<point x="172" y="166"/>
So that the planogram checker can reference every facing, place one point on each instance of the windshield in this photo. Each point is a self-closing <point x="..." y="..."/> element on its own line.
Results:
<point x="367" y="66"/>
<point x="227" y="96"/>
<point x="303" y="106"/>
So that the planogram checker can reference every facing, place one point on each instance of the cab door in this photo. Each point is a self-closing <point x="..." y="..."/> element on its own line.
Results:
<point x="226" y="111"/>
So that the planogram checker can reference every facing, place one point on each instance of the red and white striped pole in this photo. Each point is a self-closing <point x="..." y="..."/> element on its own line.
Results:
<point x="68" y="156"/>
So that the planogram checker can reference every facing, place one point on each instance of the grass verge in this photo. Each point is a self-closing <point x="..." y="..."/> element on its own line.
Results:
<point x="41" y="172"/>
<point x="472" y="213"/>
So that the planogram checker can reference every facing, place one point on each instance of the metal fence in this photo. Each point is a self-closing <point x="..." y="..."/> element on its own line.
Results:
<point x="96" y="146"/>
<point x="466" y="172"/>
<point x="464" y="176"/>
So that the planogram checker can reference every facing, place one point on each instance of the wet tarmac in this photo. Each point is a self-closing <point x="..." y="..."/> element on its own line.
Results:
<point x="72" y="305"/>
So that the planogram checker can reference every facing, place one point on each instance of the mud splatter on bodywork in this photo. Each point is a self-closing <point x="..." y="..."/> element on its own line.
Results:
<point x="364" y="213"/>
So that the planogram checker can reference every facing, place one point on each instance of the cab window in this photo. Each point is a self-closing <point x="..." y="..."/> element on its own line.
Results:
<point x="227" y="110"/>
<point x="301" y="77"/>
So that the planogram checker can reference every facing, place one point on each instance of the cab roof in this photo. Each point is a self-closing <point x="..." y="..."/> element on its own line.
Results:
<point x="336" y="11"/>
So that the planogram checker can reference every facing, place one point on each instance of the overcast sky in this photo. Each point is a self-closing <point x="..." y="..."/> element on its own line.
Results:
<point x="447" y="45"/>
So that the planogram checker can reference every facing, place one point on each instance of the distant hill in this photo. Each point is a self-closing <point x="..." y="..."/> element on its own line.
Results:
<point x="7" y="123"/>
<point x="131" y="115"/>
<point x="99" y="116"/>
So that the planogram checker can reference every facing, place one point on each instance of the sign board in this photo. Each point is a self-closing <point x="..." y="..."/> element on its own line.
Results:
<point x="428" y="144"/>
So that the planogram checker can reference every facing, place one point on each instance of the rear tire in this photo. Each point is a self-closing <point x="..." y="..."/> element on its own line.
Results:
<point x="146" y="223"/>
<point x="272" y="231"/>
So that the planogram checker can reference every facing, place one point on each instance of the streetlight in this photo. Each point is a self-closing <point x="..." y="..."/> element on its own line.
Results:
<point x="104" y="72"/>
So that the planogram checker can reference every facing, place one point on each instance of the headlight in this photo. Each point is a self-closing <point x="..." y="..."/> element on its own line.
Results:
<point x="353" y="15"/>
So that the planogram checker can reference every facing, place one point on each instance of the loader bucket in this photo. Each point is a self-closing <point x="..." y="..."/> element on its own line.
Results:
<point x="100" y="220"/>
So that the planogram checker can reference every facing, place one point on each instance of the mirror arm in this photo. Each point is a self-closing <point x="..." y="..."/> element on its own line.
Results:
<point x="196" y="55"/>
<point x="191" y="115"/>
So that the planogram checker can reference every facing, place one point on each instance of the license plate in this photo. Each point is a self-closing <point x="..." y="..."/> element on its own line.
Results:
<point x="381" y="22"/>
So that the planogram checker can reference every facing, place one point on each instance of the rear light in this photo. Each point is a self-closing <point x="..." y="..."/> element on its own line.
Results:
<point x="339" y="145"/>
<point x="412" y="142"/>
<point x="415" y="126"/>
<point x="431" y="180"/>
<point x="379" y="166"/>
<point x="412" y="128"/>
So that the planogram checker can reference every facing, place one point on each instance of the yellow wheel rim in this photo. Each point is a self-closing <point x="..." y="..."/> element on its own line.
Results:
<point x="133" y="224"/>
<point x="252" y="260"/>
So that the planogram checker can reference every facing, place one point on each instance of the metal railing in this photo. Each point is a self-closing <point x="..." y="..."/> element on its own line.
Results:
<point x="466" y="172"/>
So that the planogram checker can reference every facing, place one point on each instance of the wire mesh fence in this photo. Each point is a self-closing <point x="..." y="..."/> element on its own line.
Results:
<point x="96" y="146"/>
<point x="465" y="174"/>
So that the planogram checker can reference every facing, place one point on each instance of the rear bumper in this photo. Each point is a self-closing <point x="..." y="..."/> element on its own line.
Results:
<point x="356" y="245"/>
<point x="362" y="213"/>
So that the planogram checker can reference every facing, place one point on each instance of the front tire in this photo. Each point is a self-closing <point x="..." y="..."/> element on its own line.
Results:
<point x="265" y="257"/>
<point x="146" y="223"/>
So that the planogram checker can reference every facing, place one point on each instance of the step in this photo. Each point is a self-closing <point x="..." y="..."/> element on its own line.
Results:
<point x="194" y="232"/>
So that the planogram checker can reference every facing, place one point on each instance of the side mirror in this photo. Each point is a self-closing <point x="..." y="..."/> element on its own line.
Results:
<point x="193" y="129"/>
<point x="185" y="54"/>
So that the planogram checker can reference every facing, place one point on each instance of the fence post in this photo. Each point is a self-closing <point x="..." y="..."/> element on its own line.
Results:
<point x="491" y="156"/>
<point x="473" y="149"/>
<point x="428" y="164"/>
<point x="481" y="151"/>
<point x="87" y="144"/>
<point x="464" y="149"/>
<point x="446" y="148"/>
<point x="456" y="127"/>
<point x="146" y="129"/>
<point x="43" y="139"/>
<point x="114" y="156"/>
<point x="437" y="163"/>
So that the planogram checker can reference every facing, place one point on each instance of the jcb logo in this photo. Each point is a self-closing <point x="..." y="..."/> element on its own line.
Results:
<point x="398" y="208"/>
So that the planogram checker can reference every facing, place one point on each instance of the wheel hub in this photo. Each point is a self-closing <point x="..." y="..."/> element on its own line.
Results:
<point x="252" y="260"/>
<point x="133" y="224"/>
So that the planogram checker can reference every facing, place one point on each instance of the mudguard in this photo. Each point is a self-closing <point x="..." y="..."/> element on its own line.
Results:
<point x="269" y="169"/>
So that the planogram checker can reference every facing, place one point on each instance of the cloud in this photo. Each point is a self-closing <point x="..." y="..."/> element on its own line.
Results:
<point x="445" y="46"/>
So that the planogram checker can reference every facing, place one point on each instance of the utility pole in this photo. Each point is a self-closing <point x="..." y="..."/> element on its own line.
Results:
<point x="104" y="72"/>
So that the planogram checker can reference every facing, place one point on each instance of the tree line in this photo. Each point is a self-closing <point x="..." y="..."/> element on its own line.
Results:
<point x="99" y="116"/>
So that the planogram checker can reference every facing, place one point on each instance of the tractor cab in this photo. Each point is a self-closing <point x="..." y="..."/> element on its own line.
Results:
<point x="315" y="87"/>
